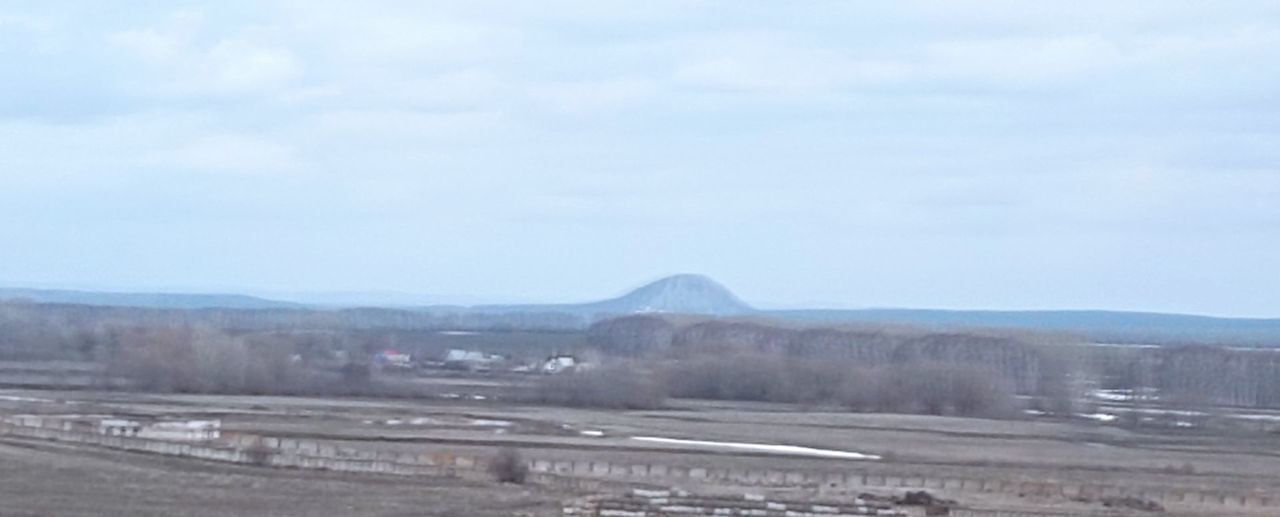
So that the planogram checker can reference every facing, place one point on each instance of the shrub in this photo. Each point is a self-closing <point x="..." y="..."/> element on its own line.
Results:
<point x="186" y="359"/>
<point x="616" y="388"/>
<point x="508" y="466"/>
<point x="912" y="387"/>
<point x="931" y="388"/>
<point x="259" y="455"/>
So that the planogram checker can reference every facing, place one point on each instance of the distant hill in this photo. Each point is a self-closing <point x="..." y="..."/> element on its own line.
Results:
<point x="684" y="294"/>
<point x="146" y="300"/>
<point x="697" y="294"/>
<point x="688" y="294"/>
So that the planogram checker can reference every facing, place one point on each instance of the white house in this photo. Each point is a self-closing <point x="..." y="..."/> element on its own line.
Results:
<point x="184" y="431"/>
<point x="559" y="364"/>
<point x="470" y="359"/>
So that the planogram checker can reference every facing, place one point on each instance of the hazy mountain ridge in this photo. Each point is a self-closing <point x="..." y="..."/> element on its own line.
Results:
<point x="692" y="294"/>
<point x="697" y="294"/>
<point x="1097" y="325"/>
<point x="145" y="300"/>
<point x="686" y="293"/>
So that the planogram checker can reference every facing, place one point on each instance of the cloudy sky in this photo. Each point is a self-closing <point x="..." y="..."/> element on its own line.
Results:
<point x="994" y="154"/>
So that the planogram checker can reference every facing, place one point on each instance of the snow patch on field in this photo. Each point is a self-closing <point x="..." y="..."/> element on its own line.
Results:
<point x="1265" y="418"/>
<point x="1112" y="395"/>
<point x="761" y="447"/>
<point x="447" y="421"/>
<point x="11" y="398"/>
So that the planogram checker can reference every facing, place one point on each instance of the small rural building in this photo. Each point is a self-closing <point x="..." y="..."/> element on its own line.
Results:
<point x="393" y="358"/>
<point x="118" y="427"/>
<point x="185" y="431"/>
<point x="472" y="360"/>
<point x="181" y="431"/>
<point x="559" y="364"/>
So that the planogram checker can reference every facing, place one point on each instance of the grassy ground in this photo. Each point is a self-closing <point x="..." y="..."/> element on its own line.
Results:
<point x="42" y="479"/>
<point x="1029" y="450"/>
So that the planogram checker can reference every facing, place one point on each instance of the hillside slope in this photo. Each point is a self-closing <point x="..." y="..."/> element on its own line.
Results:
<point x="145" y="300"/>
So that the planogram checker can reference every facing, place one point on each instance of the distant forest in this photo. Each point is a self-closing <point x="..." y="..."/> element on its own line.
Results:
<point x="917" y="369"/>
<point x="1053" y="370"/>
<point x="679" y="294"/>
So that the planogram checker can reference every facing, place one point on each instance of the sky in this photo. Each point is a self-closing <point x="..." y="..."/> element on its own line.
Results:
<point x="985" y="154"/>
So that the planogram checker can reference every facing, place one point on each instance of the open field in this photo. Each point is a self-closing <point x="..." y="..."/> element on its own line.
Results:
<point x="1040" y="451"/>
<point x="41" y="479"/>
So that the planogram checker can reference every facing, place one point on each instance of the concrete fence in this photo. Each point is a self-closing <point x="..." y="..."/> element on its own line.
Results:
<point x="308" y="454"/>
<point x="864" y="476"/>
<point x="255" y="450"/>
<point x="674" y="503"/>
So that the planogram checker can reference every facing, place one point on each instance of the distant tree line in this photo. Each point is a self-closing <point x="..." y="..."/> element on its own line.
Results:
<point x="768" y="360"/>
<point x="30" y="331"/>
<point x="1194" y="376"/>
<point x="67" y="316"/>
<point x="187" y="351"/>
<point x="846" y="363"/>
<point x="923" y="387"/>
<point x="869" y="368"/>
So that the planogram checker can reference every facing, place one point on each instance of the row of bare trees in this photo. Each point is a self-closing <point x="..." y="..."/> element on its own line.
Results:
<point x="201" y="360"/>
<point x="813" y="363"/>
<point x="291" y="319"/>
<point x="767" y="360"/>
<point x="1194" y="376"/>
<point x="923" y="387"/>
<point x="919" y="388"/>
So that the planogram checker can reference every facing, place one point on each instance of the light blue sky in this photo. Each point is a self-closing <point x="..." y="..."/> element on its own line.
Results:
<point x="996" y="154"/>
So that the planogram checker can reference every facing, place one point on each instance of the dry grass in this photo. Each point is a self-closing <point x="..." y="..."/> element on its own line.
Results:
<point x="42" y="479"/>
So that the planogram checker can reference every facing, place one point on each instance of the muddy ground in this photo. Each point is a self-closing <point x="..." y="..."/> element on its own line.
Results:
<point x="44" y="479"/>
<point x="62" y="481"/>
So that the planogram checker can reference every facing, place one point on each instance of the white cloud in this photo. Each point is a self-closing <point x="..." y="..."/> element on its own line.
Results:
<point x="240" y="65"/>
<point x="179" y="60"/>
<point x="593" y="95"/>
<point x="235" y="154"/>
<point x="774" y="64"/>
<point x="403" y="41"/>
<point x="161" y="45"/>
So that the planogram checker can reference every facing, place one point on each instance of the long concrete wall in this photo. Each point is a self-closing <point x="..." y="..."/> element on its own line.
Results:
<point x="295" y="453"/>
<point x="866" y="477"/>
<point x="675" y="503"/>
<point x="255" y="450"/>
